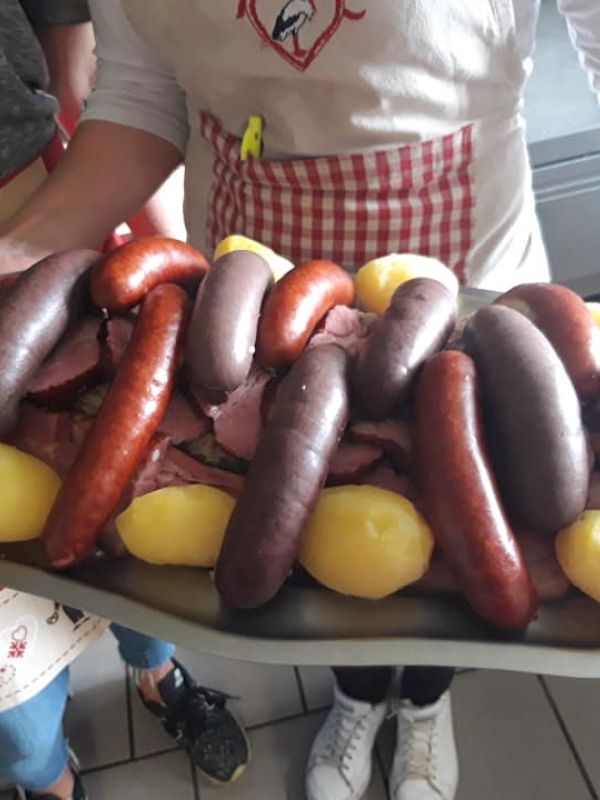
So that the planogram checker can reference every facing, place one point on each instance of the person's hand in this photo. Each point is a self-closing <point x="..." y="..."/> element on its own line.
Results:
<point x="69" y="51"/>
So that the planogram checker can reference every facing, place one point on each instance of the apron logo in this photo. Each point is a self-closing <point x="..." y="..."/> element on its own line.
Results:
<point x="296" y="29"/>
<point x="18" y="643"/>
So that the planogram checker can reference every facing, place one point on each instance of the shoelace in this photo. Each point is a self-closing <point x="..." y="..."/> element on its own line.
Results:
<point x="343" y="737"/>
<point x="417" y="747"/>
<point x="193" y="707"/>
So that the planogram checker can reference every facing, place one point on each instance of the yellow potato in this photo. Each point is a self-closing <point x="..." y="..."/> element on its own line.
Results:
<point x="578" y="553"/>
<point x="231" y="244"/>
<point x="366" y="542"/>
<point x="594" y="309"/>
<point x="28" y="488"/>
<point x="178" y="525"/>
<point x="377" y="281"/>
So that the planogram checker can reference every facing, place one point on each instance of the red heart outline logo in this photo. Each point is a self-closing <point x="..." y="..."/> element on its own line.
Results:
<point x="304" y="62"/>
<point x="20" y="634"/>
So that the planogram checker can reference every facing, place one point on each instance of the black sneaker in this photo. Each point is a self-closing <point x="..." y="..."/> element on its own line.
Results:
<point x="200" y="722"/>
<point x="79" y="792"/>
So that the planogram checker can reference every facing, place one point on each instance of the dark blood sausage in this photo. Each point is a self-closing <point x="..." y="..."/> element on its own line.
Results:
<point x="7" y="280"/>
<point x="418" y="322"/>
<point x="128" y="273"/>
<point x="222" y="334"/>
<point x="121" y="433"/>
<point x="285" y="477"/>
<point x="459" y="496"/>
<point x="565" y="319"/>
<point x="537" y="439"/>
<point x="298" y="302"/>
<point x="34" y="314"/>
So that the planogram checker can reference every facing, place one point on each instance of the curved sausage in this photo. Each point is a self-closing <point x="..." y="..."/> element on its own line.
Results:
<point x="459" y="496"/>
<point x="565" y="319"/>
<point x="298" y="302"/>
<point x="121" y="433"/>
<point x="128" y="273"/>
<point x="417" y="323"/>
<point x="34" y="314"/>
<point x="286" y="475"/>
<point x="222" y="333"/>
<point x="7" y="280"/>
<point x="539" y="445"/>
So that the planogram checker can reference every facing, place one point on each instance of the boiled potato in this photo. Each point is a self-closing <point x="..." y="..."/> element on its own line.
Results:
<point x="366" y="542"/>
<point x="377" y="281"/>
<point x="177" y="525"/>
<point x="578" y="553"/>
<point x="594" y="309"/>
<point x="28" y="488"/>
<point x="231" y="244"/>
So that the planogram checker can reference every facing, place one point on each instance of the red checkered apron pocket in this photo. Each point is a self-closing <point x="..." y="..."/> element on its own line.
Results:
<point x="416" y="198"/>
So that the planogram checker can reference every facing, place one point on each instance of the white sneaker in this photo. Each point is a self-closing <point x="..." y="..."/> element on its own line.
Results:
<point x="339" y="765"/>
<point x="425" y="765"/>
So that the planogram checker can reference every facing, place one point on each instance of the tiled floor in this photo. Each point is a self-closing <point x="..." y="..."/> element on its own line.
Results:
<point x="520" y="737"/>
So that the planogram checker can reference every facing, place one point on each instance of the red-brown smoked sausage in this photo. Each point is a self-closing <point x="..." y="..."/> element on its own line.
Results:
<point x="459" y="496"/>
<point x="294" y="308"/>
<point x="121" y="433"/>
<point x="128" y="273"/>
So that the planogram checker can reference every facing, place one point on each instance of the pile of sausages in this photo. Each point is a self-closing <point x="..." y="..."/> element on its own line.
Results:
<point x="499" y="444"/>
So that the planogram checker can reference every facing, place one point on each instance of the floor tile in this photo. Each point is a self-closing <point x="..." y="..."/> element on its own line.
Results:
<point x="317" y="683"/>
<point x="167" y="776"/>
<point x="266" y="693"/>
<point x="96" y="720"/>
<point x="279" y="754"/>
<point x="578" y="702"/>
<point x="509" y="743"/>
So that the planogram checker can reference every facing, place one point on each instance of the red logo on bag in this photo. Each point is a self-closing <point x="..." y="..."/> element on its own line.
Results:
<point x="296" y="29"/>
<point x="18" y="644"/>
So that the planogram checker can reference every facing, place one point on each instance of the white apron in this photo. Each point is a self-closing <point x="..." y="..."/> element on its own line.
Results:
<point x="389" y="126"/>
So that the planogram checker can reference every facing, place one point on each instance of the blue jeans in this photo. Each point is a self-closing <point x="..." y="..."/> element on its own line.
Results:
<point x="33" y="748"/>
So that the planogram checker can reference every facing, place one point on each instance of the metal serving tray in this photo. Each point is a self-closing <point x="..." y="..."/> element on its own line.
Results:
<point x="307" y="625"/>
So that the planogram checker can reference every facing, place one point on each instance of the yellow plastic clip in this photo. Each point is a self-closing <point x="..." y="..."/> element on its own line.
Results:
<point x="252" y="141"/>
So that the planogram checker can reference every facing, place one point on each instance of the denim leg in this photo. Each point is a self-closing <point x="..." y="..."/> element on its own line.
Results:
<point x="141" y="651"/>
<point x="33" y="749"/>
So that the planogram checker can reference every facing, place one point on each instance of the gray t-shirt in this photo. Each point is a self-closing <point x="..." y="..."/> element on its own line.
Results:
<point x="26" y="110"/>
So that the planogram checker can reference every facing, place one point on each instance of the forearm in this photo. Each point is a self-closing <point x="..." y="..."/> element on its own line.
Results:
<point x="107" y="174"/>
<point x="163" y="213"/>
<point x="69" y="51"/>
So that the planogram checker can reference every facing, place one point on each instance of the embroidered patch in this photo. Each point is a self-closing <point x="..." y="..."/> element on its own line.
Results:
<point x="297" y="29"/>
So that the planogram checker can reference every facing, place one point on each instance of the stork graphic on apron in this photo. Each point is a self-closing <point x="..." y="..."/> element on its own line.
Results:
<point x="277" y="23"/>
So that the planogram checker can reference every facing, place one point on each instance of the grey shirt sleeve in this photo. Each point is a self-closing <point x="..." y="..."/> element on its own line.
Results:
<point x="56" y="12"/>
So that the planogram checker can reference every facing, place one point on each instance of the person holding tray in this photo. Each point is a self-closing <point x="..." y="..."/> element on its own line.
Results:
<point x="46" y="68"/>
<point x="390" y="126"/>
